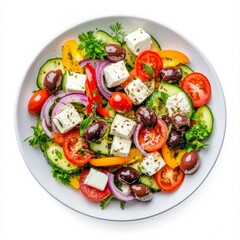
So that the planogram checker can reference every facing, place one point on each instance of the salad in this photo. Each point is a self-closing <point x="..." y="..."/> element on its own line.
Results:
<point x="120" y="118"/>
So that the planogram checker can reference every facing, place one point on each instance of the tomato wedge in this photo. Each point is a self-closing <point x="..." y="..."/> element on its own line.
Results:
<point x="90" y="192"/>
<point x="148" y="65"/>
<point x="153" y="139"/>
<point x="169" y="179"/>
<point x="198" y="88"/>
<point x="76" y="148"/>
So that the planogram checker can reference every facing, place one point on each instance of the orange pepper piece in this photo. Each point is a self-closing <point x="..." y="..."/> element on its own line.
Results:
<point x="172" y="58"/>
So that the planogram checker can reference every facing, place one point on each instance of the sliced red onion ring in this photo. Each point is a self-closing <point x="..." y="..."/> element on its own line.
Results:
<point x="135" y="139"/>
<point x="45" y="128"/>
<point x="100" y="80"/>
<point x="122" y="196"/>
<point x="92" y="62"/>
<point x="70" y="98"/>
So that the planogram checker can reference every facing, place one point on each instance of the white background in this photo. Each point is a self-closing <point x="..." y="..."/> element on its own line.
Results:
<point x="28" y="212"/>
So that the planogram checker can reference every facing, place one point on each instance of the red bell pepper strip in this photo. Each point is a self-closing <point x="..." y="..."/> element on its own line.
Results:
<point x="93" y="94"/>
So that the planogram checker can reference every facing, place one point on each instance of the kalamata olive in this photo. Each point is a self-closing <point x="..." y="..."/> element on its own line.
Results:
<point x="127" y="175"/>
<point x="180" y="122"/>
<point x="190" y="162"/>
<point x="175" y="140"/>
<point x="115" y="52"/>
<point x="142" y="192"/>
<point x="146" y="117"/>
<point x="53" y="80"/>
<point x="171" y="74"/>
<point x="95" y="131"/>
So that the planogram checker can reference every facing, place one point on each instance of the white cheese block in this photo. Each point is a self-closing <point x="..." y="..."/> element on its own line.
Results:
<point x="137" y="91"/>
<point x="75" y="82"/>
<point x="67" y="119"/>
<point x="122" y="126"/>
<point x="138" y="41"/>
<point x="115" y="74"/>
<point x="152" y="163"/>
<point x="120" y="146"/>
<point x="96" y="179"/>
<point x="178" y="104"/>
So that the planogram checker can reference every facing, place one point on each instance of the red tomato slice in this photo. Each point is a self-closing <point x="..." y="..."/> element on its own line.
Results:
<point x="37" y="100"/>
<point x="198" y="88"/>
<point x="169" y="179"/>
<point x="120" y="102"/>
<point x="59" y="138"/>
<point x="153" y="139"/>
<point x="90" y="192"/>
<point x="148" y="65"/>
<point x="76" y="148"/>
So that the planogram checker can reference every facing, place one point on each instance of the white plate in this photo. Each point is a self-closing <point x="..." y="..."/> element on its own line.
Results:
<point x="161" y="202"/>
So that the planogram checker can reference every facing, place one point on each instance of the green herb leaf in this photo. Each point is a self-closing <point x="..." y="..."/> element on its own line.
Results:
<point x="85" y="123"/>
<point x="118" y="32"/>
<point x="59" y="154"/>
<point x="122" y="204"/>
<point x="164" y="97"/>
<point x="104" y="203"/>
<point x="148" y="69"/>
<point x="94" y="47"/>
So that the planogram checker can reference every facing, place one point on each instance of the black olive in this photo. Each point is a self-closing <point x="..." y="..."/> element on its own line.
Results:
<point x="95" y="131"/>
<point x="53" y="80"/>
<point x="146" y="117"/>
<point x="180" y="122"/>
<point x="127" y="175"/>
<point x="171" y="74"/>
<point x="115" y="52"/>
<point x="142" y="192"/>
<point x="175" y="140"/>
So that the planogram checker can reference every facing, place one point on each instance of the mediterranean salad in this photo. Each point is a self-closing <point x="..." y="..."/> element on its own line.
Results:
<point x="120" y="118"/>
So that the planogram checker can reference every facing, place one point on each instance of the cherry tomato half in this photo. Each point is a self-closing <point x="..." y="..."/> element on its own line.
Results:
<point x="153" y="139"/>
<point x="37" y="100"/>
<point x="76" y="148"/>
<point x="169" y="179"/>
<point x="148" y="65"/>
<point x="120" y="102"/>
<point x="198" y="88"/>
<point x="90" y="192"/>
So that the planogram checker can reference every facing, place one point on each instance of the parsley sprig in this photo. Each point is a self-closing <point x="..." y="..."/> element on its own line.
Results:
<point x="94" y="47"/>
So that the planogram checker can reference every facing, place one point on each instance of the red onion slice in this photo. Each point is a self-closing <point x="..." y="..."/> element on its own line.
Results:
<point x="45" y="128"/>
<point x="100" y="80"/>
<point x="92" y="62"/>
<point x="135" y="139"/>
<point x="122" y="196"/>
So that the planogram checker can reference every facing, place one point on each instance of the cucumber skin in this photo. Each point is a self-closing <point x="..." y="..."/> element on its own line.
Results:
<point x="150" y="182"/>
<point x="206" y="117"/>
<point x="171" y="90"/>
<point x="52" y="158"/>
<point x="107" y="38"/>
<point x="50" y="65"/>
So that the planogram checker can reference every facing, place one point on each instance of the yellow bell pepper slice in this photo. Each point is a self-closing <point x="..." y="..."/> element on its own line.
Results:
<point x="172" y="58"/>
<point x="74" y="182"/>
<point x="133" y="155"/>
<point x="71" y="56"/>
<point x="172" y="157"/>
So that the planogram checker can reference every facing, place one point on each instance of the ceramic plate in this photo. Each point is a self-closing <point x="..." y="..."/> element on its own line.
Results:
<point x="168" y="39"/>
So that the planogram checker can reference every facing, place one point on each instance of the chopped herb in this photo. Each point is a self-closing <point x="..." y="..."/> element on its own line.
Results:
<point x="85" y="123"/>
<point x="70" y="56"/>
<point x="104" y="203"/>
<point x="58" y="153"/>
<point x="94" y="47"/>
<point x="118" y="31"/>
<point x="122" y="204"/>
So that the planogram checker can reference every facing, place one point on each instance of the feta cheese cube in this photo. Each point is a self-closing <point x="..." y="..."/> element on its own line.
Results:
<point x="152" y="163"/>
<point x="115" y="74"/>
<point x="120" y="146"/>
<point x="138" y="41"/>
<point x="137" y="91"/>
<point x="178" y="104"/>
<point x="122" y="127"/>
<point x="96" y="179"/>
<point x="67" y="119"/>
<point x="75" y="82"/>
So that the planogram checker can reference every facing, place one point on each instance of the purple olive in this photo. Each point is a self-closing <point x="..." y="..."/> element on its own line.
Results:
<point x="146" y="117"/>
<point x="127" y="175"/>
<point x="171" y="74"/>
<point x="95" y="131"/>
<point x="53" y="80"/>
<point x="190" y="162"/>
<point x="115" y="52"/>
<point x="142" y="192"/>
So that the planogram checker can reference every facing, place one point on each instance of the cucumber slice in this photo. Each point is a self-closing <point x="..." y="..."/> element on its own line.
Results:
<point x="206" y="117"/>
<point x="64" y="81"/>
<point x="156" y="103"/>
<point x="50" y="65"/>
<point x="150" y="182"/>
<point x="55" y="156"/>
<point x="155" y="45"/>
<point x="185" y="70"/>
<point x="171" y="90"/>
<point x="107" y="38"/>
